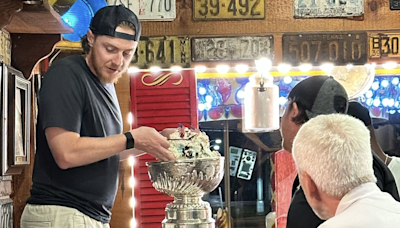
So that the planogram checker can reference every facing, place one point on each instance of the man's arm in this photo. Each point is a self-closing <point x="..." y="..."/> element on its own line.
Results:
<point x="69" y="149"/>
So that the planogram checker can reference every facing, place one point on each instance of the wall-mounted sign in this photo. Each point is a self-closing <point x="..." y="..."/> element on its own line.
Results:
<point x="150" y="10"/>
<point x="384" y="45"/>
<point x="395" y="4"/>
<point x="5" y="47"/>
<point x="232" y="48"/>
<point x="317" y="48"/>
<point x="328" y="8"/>
<point x="228" y="9"/>
<point x="162" y="51"/>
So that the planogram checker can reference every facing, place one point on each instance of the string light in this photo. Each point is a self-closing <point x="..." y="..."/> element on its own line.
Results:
<point x="242" y="68"/>
<point x="222" y="69"/>
<point x="200" y="69"/>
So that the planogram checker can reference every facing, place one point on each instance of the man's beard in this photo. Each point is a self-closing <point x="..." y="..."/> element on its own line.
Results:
<point x="97" y="68"/>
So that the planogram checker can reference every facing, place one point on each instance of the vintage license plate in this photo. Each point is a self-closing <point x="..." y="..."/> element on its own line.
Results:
<point x="228" y="9"/>
<point x="162" y="51"/>
<point x="338" y="48"/>
<point x="232" y="48"/>
<point x="395" y="4"/>
<point x="384" y="45"/>
<point x="328" y="8"/>
<point x="150" y="10"/>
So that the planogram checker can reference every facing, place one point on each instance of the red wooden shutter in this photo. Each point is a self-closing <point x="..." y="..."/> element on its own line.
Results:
<point x="160" y="100"/>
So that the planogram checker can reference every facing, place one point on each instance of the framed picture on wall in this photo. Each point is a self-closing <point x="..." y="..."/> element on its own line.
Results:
<point x="15" y="120"/>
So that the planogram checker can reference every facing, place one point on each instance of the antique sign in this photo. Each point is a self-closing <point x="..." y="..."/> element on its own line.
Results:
<point x="232" y="48"/>
<point x="328" y="8"/>
<point x="150" y="10"/>
<point x="317" y="48"/>
<point x="162" y="51"/>
<point x="228" y="9"/>
<point x="395" y="4"/>
<point x="384" y="45"/>
<point x="5" y="47"/>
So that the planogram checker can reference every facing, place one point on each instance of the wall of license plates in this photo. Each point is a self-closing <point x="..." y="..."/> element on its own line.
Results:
<point x="299" y="31"/>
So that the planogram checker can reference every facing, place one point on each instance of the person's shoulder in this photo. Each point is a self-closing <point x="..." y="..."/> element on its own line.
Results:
<point x="68" y="62"/>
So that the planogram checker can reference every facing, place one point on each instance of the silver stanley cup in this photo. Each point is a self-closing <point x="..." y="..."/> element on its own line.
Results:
<point x="187" y="181"/>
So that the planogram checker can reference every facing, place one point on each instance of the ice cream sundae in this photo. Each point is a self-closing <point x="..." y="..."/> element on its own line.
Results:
<point x="187" y="143"/>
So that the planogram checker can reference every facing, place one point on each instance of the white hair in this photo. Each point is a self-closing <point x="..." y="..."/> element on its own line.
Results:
<point x="334" y="150"/>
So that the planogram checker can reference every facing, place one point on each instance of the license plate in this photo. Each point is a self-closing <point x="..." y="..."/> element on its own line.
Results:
<point x="384" y="46"/>
<point x="150" y="10"/>
<point x="162" y="51"/>
<point x="328" y="8"/>
<point x="337" y="48"/>
<point x="228" y="9"/>
<point x="395" y="4"/>
<point x="232" y="48"/>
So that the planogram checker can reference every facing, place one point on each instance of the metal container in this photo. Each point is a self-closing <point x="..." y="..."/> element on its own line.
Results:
<point x="187" y="181"/>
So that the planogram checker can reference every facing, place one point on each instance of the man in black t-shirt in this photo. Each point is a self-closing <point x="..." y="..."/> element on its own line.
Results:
<point x="311" y="97"/>
<point x="79" y="129"/>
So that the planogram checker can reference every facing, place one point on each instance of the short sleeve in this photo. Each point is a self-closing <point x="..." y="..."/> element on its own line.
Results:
<point x="61" y="100"/>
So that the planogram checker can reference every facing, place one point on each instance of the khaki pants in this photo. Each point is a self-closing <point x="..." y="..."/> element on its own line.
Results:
<point x="49" y="216"/>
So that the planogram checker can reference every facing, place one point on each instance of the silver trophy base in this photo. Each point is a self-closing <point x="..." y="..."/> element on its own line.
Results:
<point x="188" y="212"/>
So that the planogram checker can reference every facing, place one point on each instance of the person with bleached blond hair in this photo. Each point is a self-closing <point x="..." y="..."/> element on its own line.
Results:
<point x="334" y="162"/>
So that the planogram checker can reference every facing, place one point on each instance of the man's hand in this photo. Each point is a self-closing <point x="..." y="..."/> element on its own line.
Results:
<point x="167" y="132"/>
<point x="149" y="140"/>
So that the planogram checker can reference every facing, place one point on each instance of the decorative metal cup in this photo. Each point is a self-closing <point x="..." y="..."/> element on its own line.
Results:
<point x="187" y="181"/>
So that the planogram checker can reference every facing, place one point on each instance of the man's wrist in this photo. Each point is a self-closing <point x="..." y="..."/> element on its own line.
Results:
<point x="130" y="142"/>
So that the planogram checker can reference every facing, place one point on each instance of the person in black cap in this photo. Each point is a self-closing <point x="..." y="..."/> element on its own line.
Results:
<point x="79" y="129"/>
<point x="360" y="112"/>
<point x="317" y="95"/>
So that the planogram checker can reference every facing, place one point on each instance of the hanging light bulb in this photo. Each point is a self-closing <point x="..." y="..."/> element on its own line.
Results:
<point x="261" y="100"/>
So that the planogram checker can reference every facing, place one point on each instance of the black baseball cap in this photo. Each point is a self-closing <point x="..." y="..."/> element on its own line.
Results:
<point x="360" y="112"/>
<point x="320" y="95"/>
<point x="108" y="18"/>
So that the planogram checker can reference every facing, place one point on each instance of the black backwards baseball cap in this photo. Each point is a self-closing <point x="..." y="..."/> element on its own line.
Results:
<point x="320" y="95"/>
<point x="360" y="112"/>
<point x="108" y="18"/>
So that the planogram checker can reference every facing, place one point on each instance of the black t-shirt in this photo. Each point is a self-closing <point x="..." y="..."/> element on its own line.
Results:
<point x="73" y="98"/>
<point x="301" y="215"/>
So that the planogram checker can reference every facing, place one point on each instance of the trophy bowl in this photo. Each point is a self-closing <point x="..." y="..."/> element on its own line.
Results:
<point x="187" y="181"/>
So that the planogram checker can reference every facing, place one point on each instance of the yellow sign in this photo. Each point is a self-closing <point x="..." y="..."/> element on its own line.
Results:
<point x="228" y="9"/>
<point x="161" y="79"/>
<point x="5" y="47"/>
<point x="162" y="51"/>
<point x="384" y="45"/>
